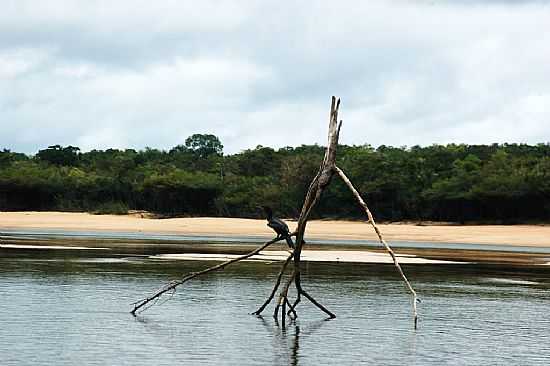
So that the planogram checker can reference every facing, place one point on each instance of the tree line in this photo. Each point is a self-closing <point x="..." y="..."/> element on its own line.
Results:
<point x="455" y="182"/>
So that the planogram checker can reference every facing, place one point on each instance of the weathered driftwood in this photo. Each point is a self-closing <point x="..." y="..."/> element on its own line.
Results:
<point x="317" y="186"/>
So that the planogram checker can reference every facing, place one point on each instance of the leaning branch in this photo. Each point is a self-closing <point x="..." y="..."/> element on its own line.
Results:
<point x="171" y="286"/>
<point x="381" y="239"/>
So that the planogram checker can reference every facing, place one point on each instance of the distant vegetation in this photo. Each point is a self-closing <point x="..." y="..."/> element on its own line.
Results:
<point x="508" y="183"/>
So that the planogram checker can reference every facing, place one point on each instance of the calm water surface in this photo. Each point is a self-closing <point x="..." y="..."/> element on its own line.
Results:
<point x="70" y="309"/>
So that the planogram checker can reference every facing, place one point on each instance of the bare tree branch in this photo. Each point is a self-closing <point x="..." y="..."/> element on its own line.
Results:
<point x="382" y="241"/>
<point x="172" y="285"/>
<point x="277" y="283"/>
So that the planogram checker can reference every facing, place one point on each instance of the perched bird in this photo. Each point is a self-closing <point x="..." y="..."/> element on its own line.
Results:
<point x="278" y="225"/>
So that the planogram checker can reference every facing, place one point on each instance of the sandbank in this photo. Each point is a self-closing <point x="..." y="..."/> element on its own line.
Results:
<point x="514" y="235"/>
<point x="338" y="256"/>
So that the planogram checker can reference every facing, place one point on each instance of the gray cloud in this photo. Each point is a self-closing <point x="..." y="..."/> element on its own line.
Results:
<point x="132" y="74"/>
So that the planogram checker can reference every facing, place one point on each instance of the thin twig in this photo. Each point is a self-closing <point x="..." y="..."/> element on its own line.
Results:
<point x="291" y="312"/>
<point x="283" y="300"/>
<point x="296" y="302"/>
<point x="382" y="241"/>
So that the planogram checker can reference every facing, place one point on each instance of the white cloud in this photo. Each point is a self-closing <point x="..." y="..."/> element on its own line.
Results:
<point x="18" y="61"/>
<point x="134" y="74"/>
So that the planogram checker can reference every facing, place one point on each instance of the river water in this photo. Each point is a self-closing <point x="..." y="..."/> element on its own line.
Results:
<point x="65" y="308"/>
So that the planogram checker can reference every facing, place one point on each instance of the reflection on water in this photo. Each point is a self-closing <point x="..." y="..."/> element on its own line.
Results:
<point x="74" y="310"/>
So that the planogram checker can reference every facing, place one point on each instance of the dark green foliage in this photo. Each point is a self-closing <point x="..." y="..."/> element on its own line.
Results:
<point x="508" y="183"/>
<point x="7" y="157"/>
<point x="177" y="192"/>
<point x="111" y="208"/>
<point x="59" y="155"/>
<point x="203" y="146"/>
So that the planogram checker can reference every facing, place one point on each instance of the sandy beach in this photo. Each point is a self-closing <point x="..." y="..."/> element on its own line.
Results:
<point x="518" y="235"/>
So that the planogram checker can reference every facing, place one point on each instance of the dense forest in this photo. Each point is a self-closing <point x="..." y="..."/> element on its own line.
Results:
<point x="484" y="183"/>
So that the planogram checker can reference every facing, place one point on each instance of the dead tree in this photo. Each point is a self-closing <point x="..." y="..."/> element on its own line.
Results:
<point x="317" y="186"/>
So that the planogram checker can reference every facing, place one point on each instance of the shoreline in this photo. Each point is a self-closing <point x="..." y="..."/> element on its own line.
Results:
<point x="505" y="235"/>
<point x="328" y="241"/>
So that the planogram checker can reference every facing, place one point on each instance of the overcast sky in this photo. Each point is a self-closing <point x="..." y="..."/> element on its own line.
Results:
<point x="131" y="74"/>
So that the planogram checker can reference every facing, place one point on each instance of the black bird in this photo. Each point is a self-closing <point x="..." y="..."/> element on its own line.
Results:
<point x="279" y="226"/>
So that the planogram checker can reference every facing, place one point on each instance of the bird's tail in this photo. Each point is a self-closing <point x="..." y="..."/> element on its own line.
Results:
<point x="289" y="242"/>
